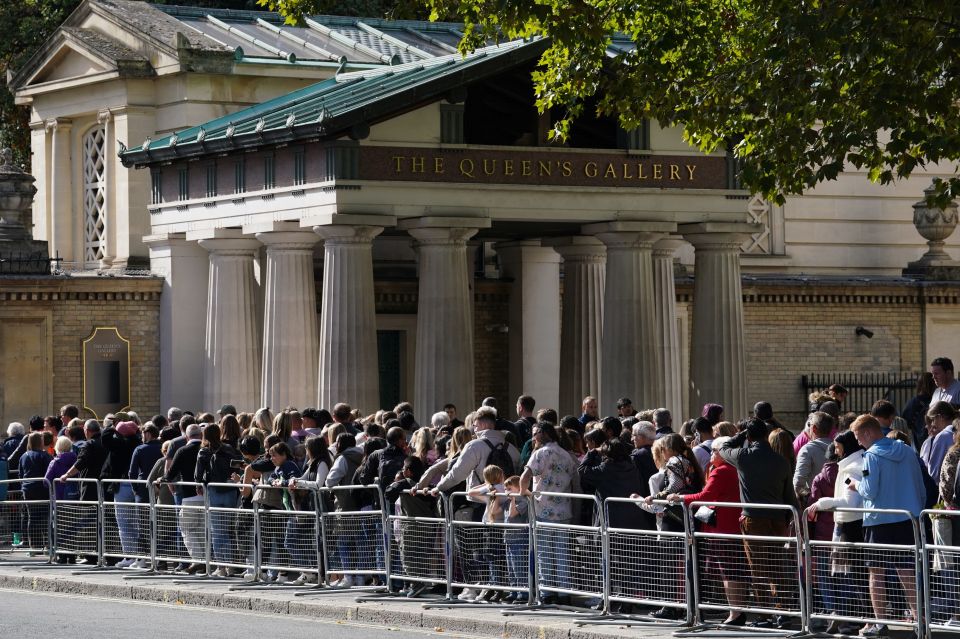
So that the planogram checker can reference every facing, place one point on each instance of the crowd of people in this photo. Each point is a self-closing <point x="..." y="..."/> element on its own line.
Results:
<point x="495" y="469"/>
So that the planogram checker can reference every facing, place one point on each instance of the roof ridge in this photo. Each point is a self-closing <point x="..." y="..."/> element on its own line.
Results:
<point x="417" y="65"/>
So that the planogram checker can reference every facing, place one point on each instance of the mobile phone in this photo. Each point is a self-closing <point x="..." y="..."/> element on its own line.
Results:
<point x="848" y="481"/>
<point x="238" y="464"/>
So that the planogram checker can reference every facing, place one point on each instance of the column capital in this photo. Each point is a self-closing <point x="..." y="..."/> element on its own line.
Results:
<point x="718" y="236"/>
<point x="667" y="246"/>
<point x="442" y="236"/>
<point x="579" y="248"/>
<point x="443" y="222"/>
<point x="347" y="234"/>
<point x="243" y="247"/>
<point x="629" y="234"/>
<point x="288" y="240"/>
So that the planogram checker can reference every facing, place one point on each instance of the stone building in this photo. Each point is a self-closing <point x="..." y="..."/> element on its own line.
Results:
<point x="351" y="210"/>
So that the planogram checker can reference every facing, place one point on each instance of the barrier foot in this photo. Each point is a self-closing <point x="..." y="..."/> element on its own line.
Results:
<point x="551" y="610"/>
<point x="324" y="589"/>
<point x="623" y="619"/>
<point x="721" y="629"/>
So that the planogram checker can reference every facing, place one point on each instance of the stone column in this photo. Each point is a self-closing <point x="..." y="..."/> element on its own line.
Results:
<point x="183" y="304"/>
<point x="717" y="369"/>
<point x="665" y="300"/>
<point x="289" y="376"/>
<point x="534" y="323"/>
<point x="348" y="323"/>
<point x="444" y="359"/>
<point x="63" y="229"/>
<point x="629" y="365"/>
<point x="231" y="370"/>
<point x="584" y="273"/>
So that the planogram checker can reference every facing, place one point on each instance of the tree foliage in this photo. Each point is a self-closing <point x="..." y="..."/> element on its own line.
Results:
<point x="800" y="88"/>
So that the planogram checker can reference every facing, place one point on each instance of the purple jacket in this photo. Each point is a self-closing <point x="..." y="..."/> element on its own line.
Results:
<point x="823" y="486"/>
<point x="61" y="464"/>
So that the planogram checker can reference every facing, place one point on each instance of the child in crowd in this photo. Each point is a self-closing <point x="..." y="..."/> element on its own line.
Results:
<point x="273" y="495"/>
<point x="493" y="548"/>
<point x="517" y="540"/>
<point x="419" y="551"/>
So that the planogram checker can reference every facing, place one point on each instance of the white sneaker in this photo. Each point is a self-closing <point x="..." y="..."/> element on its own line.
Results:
<point x="221" y="572"/>
<point x="281" y="579"/>
<point x="482" y="597"/>
<point x="344" y="582"/>
<point x="124" y="563"/>
<point x="140" y="563"/>
<point x="249" y="575"/>
<point x="469" y="594"/>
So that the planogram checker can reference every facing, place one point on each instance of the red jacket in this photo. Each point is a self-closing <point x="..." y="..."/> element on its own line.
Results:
<point x="722" y="485"/>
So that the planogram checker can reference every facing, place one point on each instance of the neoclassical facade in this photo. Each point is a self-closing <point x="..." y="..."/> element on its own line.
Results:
<point x="350" y="210"/>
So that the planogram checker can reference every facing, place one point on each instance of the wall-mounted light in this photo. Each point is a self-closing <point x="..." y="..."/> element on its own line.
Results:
<point x="863" y="331"/>
<point x="497" y="328"/>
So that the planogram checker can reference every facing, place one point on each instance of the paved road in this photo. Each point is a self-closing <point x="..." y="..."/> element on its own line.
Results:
<point x="37" y="615"/>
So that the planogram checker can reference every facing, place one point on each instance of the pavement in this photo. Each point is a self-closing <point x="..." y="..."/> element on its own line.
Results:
<point x="337" y="606"/>
<point x="42" y="615"/>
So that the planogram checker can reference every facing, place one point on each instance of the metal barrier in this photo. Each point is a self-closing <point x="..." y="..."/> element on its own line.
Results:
<point x="845" y="577"/>
<point x="492" y="556"/>
<point x="940" y="556"/>
<point x="353" y="535"/>
<point x="572" y="559"/>
<point x="916" y="584"/>
<point x="180" y="528"/>
<point x="289" y="538"/>
<point x="25" y="515"/>
<point x="127" y="521"/>
<point x="76" y="523"/>
<point x="417" y="550"/>
<point x="765" y="558"/>
<point x="647" y="567"/>
<point x="231" y="530"/>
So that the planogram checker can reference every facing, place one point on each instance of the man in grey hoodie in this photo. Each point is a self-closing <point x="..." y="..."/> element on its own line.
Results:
<point x="473" y="458"/>
<point x="469" y="468"/>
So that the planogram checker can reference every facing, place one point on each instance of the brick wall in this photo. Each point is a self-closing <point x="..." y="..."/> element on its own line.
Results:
<point x="75" y="307"/>
<point x="796" y="328"/>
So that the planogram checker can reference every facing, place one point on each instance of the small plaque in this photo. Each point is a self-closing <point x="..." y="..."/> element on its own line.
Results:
<point x="106" y="372"/>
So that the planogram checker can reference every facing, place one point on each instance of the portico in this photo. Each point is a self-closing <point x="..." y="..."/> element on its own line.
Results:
<point x="591" y="231"/>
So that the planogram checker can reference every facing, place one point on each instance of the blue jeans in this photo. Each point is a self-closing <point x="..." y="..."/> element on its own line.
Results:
<point x="553" y="556"/>
<point x="518" y="559"/>
<point x="222" y="523"/>
<point x="128" y="523"/>
<point x="297" y="541"/>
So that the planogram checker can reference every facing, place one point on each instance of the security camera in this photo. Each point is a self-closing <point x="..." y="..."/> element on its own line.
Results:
<point x="863" y="331"/>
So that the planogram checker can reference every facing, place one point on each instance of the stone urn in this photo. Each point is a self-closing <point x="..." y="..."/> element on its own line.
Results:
<point x="16" y="198"/>
<point x="934" y="225"/>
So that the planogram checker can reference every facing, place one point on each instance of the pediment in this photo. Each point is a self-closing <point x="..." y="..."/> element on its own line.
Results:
<point x="69" y="62"/>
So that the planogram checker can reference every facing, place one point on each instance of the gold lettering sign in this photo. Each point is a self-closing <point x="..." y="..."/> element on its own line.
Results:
<point x="533" y="167"/>
<point x="106" y="372"/>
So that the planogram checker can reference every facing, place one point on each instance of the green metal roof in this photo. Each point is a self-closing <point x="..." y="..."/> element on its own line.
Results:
<point x="331" y="108"/>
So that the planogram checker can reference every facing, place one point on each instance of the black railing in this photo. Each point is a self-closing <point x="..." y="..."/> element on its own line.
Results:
<point x="28" y="264"/>
<point x="864" y="388"/>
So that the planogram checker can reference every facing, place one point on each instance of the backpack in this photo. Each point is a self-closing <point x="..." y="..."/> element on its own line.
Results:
<point x="500" y="456"/>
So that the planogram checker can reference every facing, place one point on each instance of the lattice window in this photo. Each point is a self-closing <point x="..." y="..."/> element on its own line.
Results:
<point x="769" y="240"/>
<point x="94" y="196"/>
